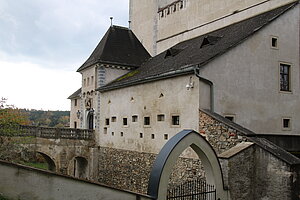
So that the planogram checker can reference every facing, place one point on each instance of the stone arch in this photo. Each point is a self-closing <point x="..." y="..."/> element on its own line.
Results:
<point x="80" y="167"/>
<point x="49" y="160"/>
<point x="166" y="159"/>
<point x="90" y="119"/>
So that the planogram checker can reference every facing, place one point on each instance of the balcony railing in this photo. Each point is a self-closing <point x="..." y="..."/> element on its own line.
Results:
<point x="45" y="132"/>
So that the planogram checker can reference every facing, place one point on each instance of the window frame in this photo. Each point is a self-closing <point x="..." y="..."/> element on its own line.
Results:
<point x="134" y="118"/>
<point x="113" y="119"/>
<point x="289" y="128"/>
<point x="271" y="42"/>
<point x="233" y="116"/>
<point x="159" y="119"/>
<point x="107" y="122"/>
<point x="125" y="125"/>
<point x="281" y="90"/>
<point x="175" y="125"/>
<point x="144" y="122"/>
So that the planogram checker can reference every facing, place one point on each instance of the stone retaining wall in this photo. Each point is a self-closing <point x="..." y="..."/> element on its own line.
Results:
<point x="130" y="170"/>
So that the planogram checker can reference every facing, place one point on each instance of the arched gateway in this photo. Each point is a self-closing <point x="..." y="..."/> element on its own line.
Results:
<point x="167" y="157"/>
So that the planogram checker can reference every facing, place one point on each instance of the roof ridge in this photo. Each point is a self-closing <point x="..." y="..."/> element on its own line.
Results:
<point x="120" y="27"/>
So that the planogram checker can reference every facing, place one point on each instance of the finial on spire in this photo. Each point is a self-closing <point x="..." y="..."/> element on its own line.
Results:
<point x="111" y="21"/>
<point x="129" y="23"/>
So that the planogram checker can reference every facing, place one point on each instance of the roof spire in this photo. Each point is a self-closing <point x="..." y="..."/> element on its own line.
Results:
<point x="111" y="21"/>
<point x="129" y="24"/>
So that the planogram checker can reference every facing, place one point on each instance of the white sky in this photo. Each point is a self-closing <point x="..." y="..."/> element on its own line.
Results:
<point x="43" y="43"/>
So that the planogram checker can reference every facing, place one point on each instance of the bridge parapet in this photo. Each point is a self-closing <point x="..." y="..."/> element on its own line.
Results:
<point x="45" y="132"/>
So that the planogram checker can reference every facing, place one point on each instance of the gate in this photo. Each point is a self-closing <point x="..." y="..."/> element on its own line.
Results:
<point x="192" y="190"/>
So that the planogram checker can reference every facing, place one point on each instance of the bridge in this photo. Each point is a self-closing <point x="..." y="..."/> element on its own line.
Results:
<point x="67" y="151"/>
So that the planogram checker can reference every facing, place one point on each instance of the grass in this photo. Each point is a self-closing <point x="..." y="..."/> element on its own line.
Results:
<point x="36" y="165"/>
<point x="3" y="198"/>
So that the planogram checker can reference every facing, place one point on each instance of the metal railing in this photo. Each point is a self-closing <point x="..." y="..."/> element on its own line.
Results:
<point x="194" y="189"/>
<point x="45" y="132"/>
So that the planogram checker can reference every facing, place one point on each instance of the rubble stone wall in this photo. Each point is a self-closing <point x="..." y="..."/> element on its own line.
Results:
<point x="130" y="170"/>
<point x="220" y="135"/>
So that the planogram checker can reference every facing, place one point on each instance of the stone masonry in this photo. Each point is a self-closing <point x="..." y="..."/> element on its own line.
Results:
<point x="130" y="170"/>
<point x="219" y="134"/>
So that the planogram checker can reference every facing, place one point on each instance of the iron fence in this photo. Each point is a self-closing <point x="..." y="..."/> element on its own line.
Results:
<point x="196" y="189"/>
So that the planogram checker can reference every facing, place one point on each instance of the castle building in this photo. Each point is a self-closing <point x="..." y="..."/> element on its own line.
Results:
<point x="237" y="58"/>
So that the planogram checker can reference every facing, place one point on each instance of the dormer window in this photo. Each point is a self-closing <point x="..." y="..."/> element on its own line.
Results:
<point x="210" y="40"/>
<point x="172" y="52"/>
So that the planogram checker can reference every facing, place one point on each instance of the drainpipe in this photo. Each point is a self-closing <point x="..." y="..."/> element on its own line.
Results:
<point x="211" y="85"/>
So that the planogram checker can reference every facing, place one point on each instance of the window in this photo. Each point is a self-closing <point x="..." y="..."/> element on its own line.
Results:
<point x="75" y="102"/>
<point x="125" y="121"/>
<point x="141" y="135"/>
<point x="107" y="121"/>
<point x="75" y="124"/>
<point x="92" y="80"/>
<point x="84" y="82"/>
<point x="152" y="136"/>
<point x="175" y="120"/>
<point x="286" y="124"/>
<point x="113" y="119"/>
<point x="122" y="134"/>
<point x="105" y="130"/>
<point x="230" y="117"/>
<point x="274" y="42"/>
<point x="147" y="121"/>
<point x="134" y="118"/>
<point x="166" y="136"/>
<point x="161" y="118"/>
<point x="88" y="82"/>
<point x="285" y="76"/>
<point x="112" y="133"/>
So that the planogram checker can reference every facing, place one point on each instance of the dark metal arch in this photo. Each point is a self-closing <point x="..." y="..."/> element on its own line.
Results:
<point x="162" y="158"/>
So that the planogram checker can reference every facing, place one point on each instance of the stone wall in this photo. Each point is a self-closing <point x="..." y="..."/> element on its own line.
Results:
<point x="11" y="149"/>
<point x="218" y="133"/>
<point x="130" y="170"/>
<point x="273" y="178"/>
<point x="24" y="183"/>
<point x="238" y="173"/>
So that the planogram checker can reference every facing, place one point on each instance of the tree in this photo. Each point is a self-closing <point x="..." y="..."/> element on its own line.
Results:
<point x="11" y="117"/>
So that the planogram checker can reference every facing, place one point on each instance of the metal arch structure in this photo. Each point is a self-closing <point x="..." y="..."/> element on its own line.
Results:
<point x="166" y="159"/>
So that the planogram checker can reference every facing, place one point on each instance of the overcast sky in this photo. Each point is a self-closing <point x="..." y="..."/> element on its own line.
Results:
<point x="43" y="43"/>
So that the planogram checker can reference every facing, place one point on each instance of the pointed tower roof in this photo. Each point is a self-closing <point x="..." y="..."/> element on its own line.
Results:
<point x="119" y="46"/>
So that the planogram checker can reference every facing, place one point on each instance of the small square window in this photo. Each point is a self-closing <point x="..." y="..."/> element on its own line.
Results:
<point x="175" y="120"/>
<point x="160" y="118"/>
<point x="286" y="123"/>
<point x="113" y="119"/>
<point x="141" y="135"/>
<point x="134" y="118"/>
<point x="107" y="121"/>
<point x="274" y="42"/>
<point x="125" y="121"/>
<point x="230" y="117"/>
<point x="152" y="136"/>
<point x="166" y="136"/>
<point x="147" y="121"/>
